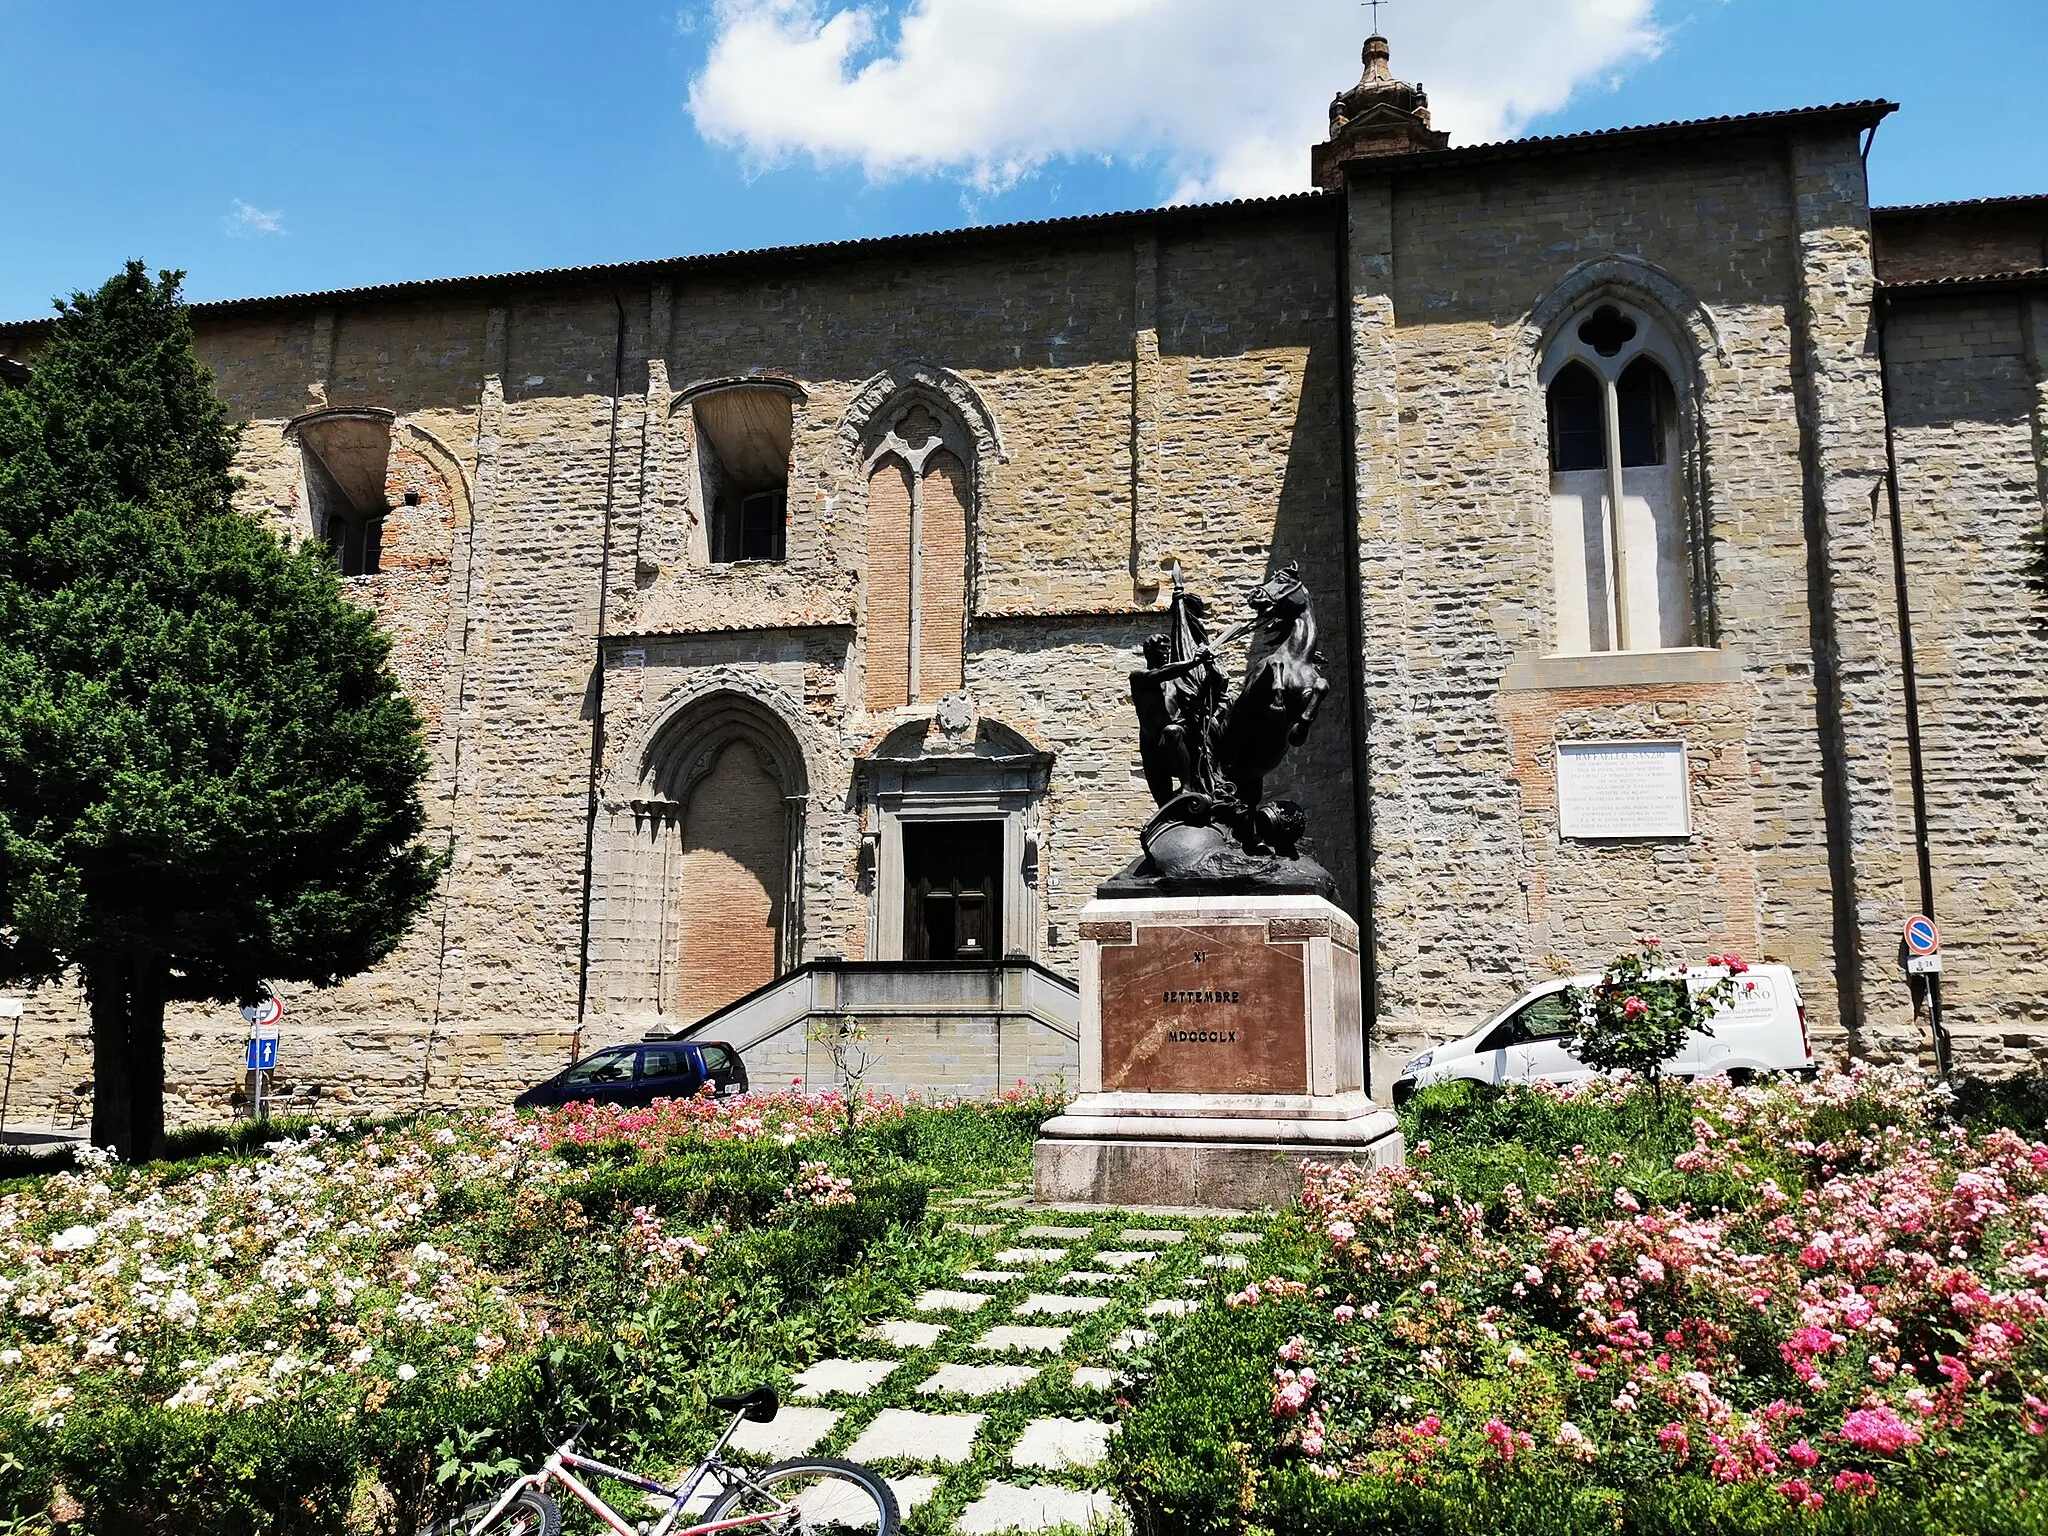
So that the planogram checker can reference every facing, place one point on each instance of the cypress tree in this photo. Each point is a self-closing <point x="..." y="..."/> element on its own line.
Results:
<point x="208" y="774"/>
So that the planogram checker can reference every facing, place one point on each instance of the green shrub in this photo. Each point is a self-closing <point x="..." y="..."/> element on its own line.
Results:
<point x="27" y="1467"/>
<point x="1189" y="1457"/>
<point x="168" y="1472"/>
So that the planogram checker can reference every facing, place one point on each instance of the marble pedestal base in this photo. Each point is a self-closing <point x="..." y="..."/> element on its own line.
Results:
<point x="1221" y="1046"/>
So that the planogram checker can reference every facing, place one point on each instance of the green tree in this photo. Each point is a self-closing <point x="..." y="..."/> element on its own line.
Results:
<point x="1640" y="1011"/>
<point x="208" y="775"/>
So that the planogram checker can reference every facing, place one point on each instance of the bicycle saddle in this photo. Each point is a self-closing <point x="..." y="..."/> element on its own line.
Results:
<point x="761" y="1405"/>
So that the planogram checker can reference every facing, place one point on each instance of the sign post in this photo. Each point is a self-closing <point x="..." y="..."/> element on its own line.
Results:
<point x="261" y="1057"/>
<point x="10" y="1008"/>
<point x="1922" y="951"/>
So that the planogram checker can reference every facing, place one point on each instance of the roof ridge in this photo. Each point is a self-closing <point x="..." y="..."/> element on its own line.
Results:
<point x="1962" y="202"/>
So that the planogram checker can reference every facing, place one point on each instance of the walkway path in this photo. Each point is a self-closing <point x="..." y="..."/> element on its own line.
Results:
<point x="988" y="1400"/>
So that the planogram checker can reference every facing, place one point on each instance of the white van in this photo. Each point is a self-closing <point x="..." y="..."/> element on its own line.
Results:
<point x="1762" y="1030"/>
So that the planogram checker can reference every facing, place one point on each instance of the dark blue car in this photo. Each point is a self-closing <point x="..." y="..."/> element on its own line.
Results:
<point x="639" y="1074"/>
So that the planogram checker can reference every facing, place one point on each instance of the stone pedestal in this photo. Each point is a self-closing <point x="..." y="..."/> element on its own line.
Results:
<point x="1221" y="1044"/>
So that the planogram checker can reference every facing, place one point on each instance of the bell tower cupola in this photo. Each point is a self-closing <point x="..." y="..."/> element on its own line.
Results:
<point x="1378" y="116"/>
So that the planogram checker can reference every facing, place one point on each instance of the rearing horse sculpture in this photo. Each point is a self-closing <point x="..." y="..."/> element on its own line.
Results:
<point x="1206" y="756"/>
<point x="1284" y="691"/>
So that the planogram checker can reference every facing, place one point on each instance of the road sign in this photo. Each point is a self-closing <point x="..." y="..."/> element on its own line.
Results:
<point x="1922" y="937"/>
<point x="263" y="1051"/>
<point x="1923" y="965"/>
<point x="265" y="1013"/>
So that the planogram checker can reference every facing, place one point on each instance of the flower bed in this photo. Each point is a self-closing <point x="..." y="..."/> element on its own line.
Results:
<point x="354" y="1311"/>
<point x="1778" y="1305"/>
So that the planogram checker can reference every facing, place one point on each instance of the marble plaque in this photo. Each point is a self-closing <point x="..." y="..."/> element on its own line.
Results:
<point x="1623" y="789"/>
<point x="1210" y="1008"/>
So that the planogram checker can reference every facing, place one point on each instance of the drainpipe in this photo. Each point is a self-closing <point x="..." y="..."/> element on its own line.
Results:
<point x="1923" y="855"/>
<point x="604" y="585"/>
<point x="1354" y="634"/>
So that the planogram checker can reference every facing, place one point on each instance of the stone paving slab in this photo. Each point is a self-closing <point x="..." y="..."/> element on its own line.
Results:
<point x="1061" y="1306"/>
<point x="855" y="1378"/>
<point x="1060" y="1445"/>
<point x="1133" y="1338"/>
<point x="905" y="1334"/>
<point x="1092" y="1277"/>
<point x="904" y="1434"/>
<point x="1125" y="1258"/>
<point x="1048" y="1341"/>
<point x="952" y="1301"/>
<point x="1224" y="1261"/>
<point x="793" y="1432"/>
<point x="977" y="1380"/>
<point x="1093" y="1378"/>
<point x="991" y="1276"/>
<point x="1240" y="1239"/>
<point x="975" y="1228"/>
<point x="1063" y="1234"/>
<point x="1143" y="1235"/>
<point x="911" y="1491"/>
<point x="1003" y="1507"/>
<point x="1172" y="1306"/>
<point x="1031" y="1256"/>
<point x="1014" y="1203"/>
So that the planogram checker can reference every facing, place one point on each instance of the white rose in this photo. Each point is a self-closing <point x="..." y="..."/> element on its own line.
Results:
<point x="406" y="1373"/>
<point x="74" y="1240"/>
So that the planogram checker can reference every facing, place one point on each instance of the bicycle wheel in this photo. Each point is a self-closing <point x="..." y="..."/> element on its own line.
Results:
<point x="810" y="1496"/>
<point x="532" y="1513"/>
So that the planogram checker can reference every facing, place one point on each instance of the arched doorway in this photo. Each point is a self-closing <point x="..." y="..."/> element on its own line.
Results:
<point x="712" y="876"/>
<point x="734" y="882"/>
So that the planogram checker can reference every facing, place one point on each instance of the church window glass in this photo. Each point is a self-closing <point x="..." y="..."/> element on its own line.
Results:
<point x="1620" y="520"/>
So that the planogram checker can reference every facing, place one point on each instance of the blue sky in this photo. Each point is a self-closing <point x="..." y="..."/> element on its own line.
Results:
<point x="384" y="141"/>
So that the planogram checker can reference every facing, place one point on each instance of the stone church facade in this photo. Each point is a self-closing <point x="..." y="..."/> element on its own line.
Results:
<point x="781" y="605"/>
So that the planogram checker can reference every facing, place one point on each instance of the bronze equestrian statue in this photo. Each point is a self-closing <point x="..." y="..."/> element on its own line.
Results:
<point x="1206" y="755"/>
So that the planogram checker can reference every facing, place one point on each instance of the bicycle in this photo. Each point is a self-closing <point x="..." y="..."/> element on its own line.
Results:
<point x="804" y="1496"/>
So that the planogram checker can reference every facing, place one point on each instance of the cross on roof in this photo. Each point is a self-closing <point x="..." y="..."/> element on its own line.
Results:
<point x="1375" y="5"/>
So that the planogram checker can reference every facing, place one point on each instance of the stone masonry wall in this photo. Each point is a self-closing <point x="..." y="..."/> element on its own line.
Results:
<point x="1208" y="434"/>
<point x="1967" y="388"/>
<point x="1458" y="278"/>
<point x="1166" y="388"/>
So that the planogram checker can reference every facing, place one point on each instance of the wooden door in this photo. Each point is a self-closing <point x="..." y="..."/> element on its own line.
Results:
<point x="952" y="885"/>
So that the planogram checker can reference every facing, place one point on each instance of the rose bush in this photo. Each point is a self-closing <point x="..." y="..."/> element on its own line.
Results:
<point x="1804" y="1302"/>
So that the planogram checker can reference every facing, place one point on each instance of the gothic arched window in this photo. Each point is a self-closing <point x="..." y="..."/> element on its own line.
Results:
<point x="919" y="493"/>
<point x="1624" y="582"/>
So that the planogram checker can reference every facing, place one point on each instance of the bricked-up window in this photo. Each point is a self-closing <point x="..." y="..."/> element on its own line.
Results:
<point x="743" y="443"/>
<point x="347" y="455"/>
<point x="919" y="493"/>
<point x="1622" y="582"/>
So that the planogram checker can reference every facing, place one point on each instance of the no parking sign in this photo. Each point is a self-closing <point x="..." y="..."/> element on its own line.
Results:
<point x="1923" y="946"/>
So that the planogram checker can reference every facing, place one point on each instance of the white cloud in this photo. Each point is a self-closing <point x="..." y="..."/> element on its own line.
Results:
<point x="246" y="220"/>
<point x="1226" y="95"/>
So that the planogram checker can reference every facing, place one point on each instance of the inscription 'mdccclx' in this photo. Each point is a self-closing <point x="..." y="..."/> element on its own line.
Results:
<point x="1204" y="1009"/>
